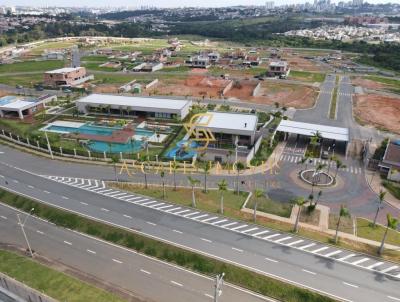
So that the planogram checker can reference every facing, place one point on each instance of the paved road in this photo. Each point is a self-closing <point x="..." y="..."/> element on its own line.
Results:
<point x="304" y="265"/>
<point x="141" y="276"/>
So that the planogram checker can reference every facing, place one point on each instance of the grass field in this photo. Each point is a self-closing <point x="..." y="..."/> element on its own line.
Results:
<point x="51" y="282"/>
<point x="366" y="230"/>
<point x="332" y="108"/>
<point x="392" y="187"/>
<point x="100" y="59"/>
<point x="27" y="80"/>
<point x="383" y="80"/>
<point x="31" y="66"/>
<point x="51" y="45"/>
<point x="306" y="76"/>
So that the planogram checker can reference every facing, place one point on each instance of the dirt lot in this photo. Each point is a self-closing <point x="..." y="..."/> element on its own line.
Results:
<point x="296" y="62"/>
<point x="366" y="83"/>
<point x="106" y="88"/>
<point x="378" y="110"/>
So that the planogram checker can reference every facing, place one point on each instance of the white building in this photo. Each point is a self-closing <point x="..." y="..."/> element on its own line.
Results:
<point x="134" y="106"/>
<point x="22" y="107"/>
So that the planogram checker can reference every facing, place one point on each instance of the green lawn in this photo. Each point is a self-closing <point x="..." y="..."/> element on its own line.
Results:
<point x="306" y="76"/>
<point x="346" y="223"/>
<point x="96" y="67"/>
<point x="29" y="66"/>
<point x="365" y="230"/>
<point x="267" y="205"/>
<point x="332" y="108"/>
<point x="100" y="59"/>
<point x="383" y="80"/>
<point x="51" y="282"/>
<point x="392" y="187"/>
<point x="51" y="45"/>
<point x="27" y="80"/>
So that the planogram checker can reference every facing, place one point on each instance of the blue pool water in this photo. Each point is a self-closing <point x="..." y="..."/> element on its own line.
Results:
<point x="6" y="99"/>
<point x="85" y="129"/>
<point x="176" y="151"/>
<point x="98" y="146"/>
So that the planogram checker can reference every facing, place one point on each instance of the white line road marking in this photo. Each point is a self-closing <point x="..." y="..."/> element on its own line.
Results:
<point x="164" y="207"/>
<point x="117" y="261"/>
<point x="306" y="246"/>
<point x="346" y="257"/>
<point x="176" y="231"/>
<point x="206" y="240"/>
<point x="170" y="210"/>
<point x="84" y="203"/>
<point x="209" y="296"/>
<point x="176" y="283"/>
<point x="271" y="260"/>
<point x="200" y="216"/>
<point x="283" y="239"/>
<point x="228" y="224"/>
<point x="374" y="265"/>
<point x="151" y="223"/>
<point x="294" y="242"/>
<point x="320" y="249"/>
<point x="360" y="261"/>
<point x="4" y="217"/>
<point x="219" y="221"/>
<point x="180" y="212"/>
<point x="209" y="219"/>
<point x="239" y="227"/>
<point x="47" y="192"/>
<point x="91" y="252"/>
<point x="393" y="298"/>
<point x="146" y="272"/>
<point x="271" y="236"/>
<point x="333" y="253"/>
<point x="64" y="197"/>
<point x="127" y="216"/>
<point x="149" y="202"/>
<point x="249" y="230"/>
<point x="349" y="284"/>
<point x="308" y="272"/>
<point x="191" y="214"/>
<point x="39" y="232"/>
<point x="237" y="250"/>
<point x="67" y="242"/>
<point x="105" y="210"/>
<point x="389" y="269"/>
<point x="16" y="181"/>
<point x="32" y="187"/>
<point x="260" y="233"/>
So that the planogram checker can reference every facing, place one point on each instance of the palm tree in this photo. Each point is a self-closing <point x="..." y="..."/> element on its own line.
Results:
<point x="174" y="167"/>
<point x="145" y="166"/>
<point x="339" y="165"/>
<point x="206" y="170"/>
<point x="299" y="202"/>
<point x="381" y="197"/>
<point x="318" y="197"/>
<point x="162" y="175"/>
<point x="114" y="161"/>
<point x="239" y="167"/>
<point x="304" y="160"/>
<point x="193" y="182"/>
<point x="344" y="212"/>
<point x="257" y="195"/>
<point x="391" y="224"/>
<point x="222" y="187"/>
<point x="318" y="169"/>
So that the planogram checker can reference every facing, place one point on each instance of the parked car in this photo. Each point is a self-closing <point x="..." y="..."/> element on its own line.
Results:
<point x="325" y="155"/>
<point x="19" y="86"/>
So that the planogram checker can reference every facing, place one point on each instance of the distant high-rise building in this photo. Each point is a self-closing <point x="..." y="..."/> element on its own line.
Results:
<point x="357" y="2"/>
<point x="269" y="4"/>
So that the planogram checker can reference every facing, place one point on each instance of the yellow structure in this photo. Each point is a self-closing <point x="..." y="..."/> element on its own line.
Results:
<point x="197" y="130"/>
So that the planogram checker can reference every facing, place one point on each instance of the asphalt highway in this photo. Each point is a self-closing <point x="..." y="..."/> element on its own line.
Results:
<point x="140" y="276"/>
<point x="340" y="280"/>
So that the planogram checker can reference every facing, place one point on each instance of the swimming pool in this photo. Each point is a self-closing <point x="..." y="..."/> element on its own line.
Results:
<point x="128" y="147"/>
<point x="85" y="129"/>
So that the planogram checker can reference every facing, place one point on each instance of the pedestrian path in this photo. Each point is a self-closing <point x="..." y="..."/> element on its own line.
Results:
<point x="256" y="231"/>
<point x="345" y="94"/>
<point x="295" y="159"/>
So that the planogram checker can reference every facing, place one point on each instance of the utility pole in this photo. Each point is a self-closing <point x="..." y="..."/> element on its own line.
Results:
<point x="48" y="145"/>
<point x="219" y="281"/>
<point x="23" y="230"/>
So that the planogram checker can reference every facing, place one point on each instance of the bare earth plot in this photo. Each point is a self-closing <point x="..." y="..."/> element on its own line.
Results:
<point x="296" y="62"/>
<point x="370" y="84"/>
<point x="379" y="111"/>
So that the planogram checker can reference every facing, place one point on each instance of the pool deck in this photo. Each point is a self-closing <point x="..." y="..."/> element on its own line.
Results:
<point x="118" y="136"/>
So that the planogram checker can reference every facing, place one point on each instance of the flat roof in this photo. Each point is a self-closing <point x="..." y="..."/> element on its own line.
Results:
<point x="336" y="133"/>
<point x="20" y="104"/>
<point x="64" y="70"/>
<point x="230" y="121"/>
<point x="278" y="63"/>
<point x="134" y="101"/>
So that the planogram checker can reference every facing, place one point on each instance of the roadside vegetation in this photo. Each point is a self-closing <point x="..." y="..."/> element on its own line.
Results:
<point x="306" y="76"/>
<point x="31" y="66"/>
<point x="55" y="284"/>
<point x="202" y="264"/>
<point x="332" y="108"/>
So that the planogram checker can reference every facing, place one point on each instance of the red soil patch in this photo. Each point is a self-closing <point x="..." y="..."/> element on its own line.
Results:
<point x="299" y="63"/>
<point x="359" y="81"/>
<point x="379" y="111"/>
<point x="106" y="88"/>
<point x="242" y="90"/>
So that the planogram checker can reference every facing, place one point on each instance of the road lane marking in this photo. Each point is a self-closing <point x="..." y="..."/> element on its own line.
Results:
<point x="283" y="239"/>
<point x="333" y="253"/>
<point x="191" y="214"/>
<point x="320" y="249"/>
<point x="127" y="216"/>
<point x="47" y="192"/>
<point x="271" y="236"/>
<point x="117" y="261"/>
<point x="228" y="224"/>
<point x="181" y="212"/>
<point x="360" y="261"/>
<point x="4" y="217"/>
<point x="206" y="240"/>
<point x="237" y="250"/>
<point x="200" y="216"/>
<point x="309" y="272"/>
<point x="176" y="283"/>
<point x="91" y="252"/>
<point x="39" y="232"/>
<point x="306" y="246"/>
<point x="32" y="187"/>
<point x="260" y="233"/>
<point x="84" y="203"/>
<point x="393" y="298"/>
<point x="219" y="221"/>
<point x="389" y="269"/>
<point x="151" y="223"/>
<point x="105" y="210"/>
<point x="374" y="265"/>
<point x="146" y="272"/>
<point x="209" y="296"/>
<point x="239" y="227"/>
<point x="271" y="260"/>
<point x="346" y="257"/>
<point x="294" y="242"/>
<point x="16" y="181"/>
<point x="64" y="197"/>
<point x="209" y="219"/>
<point x="176" y="231"/>
<point x="349" y="284"/>
<point x="67" y="242"/>
<point x="249" y="230"/>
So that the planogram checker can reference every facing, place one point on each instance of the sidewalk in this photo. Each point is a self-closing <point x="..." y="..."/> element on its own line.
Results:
<point x="375" y="184"/>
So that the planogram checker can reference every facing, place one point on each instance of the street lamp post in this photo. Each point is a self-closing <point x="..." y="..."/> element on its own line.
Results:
<point x="48" y="145"/>
<point x="219" y="281"/>
<point x="22" y="224"/>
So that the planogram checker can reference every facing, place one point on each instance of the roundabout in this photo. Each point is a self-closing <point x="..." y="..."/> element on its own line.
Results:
<point x="317" y="178"/>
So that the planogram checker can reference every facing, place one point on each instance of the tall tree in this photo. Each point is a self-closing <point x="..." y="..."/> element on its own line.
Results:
<point x="162" y="175"/>
<point x="193" y="182"/>
<point x="391" y="224"/>
<point x="222" y="187"/>
<point x="257" y="195"/>
<point x="344" y="212"/>
<point x="239" y="167"/>
<point x="300" y="201"/>
<point x="114" y="161"/>
<point x="174" y="167"/>
<point x="206" y="170"/>
<point x="381" y="197"/>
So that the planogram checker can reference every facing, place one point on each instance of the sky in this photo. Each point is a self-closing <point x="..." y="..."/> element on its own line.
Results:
<point x="158" y="3"/>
